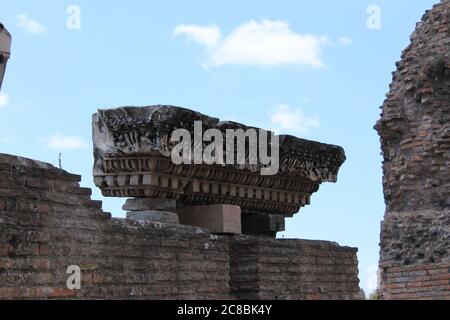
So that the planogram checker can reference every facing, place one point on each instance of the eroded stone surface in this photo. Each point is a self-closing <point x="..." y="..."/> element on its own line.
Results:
<point x="415" y="120"/>
<point x="415" y="140"/>
<point x="132" y="151"/>
<point x="139" y="204"/>
<point x="132" y="131"/>
<point x="154" y="216"/>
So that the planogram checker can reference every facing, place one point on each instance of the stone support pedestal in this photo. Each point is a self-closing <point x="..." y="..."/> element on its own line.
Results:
<point x="262" y="224"/>
<point x="154" y="210"/>
<point x="222" y="219"/>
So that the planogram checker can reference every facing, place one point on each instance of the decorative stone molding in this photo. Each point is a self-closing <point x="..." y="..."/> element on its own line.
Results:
<point x="132" y="151"/>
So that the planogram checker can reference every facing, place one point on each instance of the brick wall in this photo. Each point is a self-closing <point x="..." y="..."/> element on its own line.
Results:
<point x="48" y="223"/>
<point x="264" y="268"/>
<point x="418" y="282"/>
<point x="415" y="140"/>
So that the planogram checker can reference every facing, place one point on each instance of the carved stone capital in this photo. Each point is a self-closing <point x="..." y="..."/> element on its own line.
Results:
<point x="132" y="151"/>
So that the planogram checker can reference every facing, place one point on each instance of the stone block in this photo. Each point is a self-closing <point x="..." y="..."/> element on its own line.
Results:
<point x="262" y="225"/>
<point x="154" y="216"/>
<point x="142" y="204"/>
<point x="216" y="218"/>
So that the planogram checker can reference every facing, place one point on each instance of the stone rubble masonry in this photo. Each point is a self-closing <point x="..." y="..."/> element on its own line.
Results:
<point x="415" y="237"/>
<point x="415" y="140"/>
<point x="48" y="223"/>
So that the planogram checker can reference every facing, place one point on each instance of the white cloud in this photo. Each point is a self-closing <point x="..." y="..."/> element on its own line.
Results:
<point x="29" y="25"/>
<point x="58" y="141"/>
<point x="345" y="41"/>
<point x="206" y="35"/>
<point x="3" y="100"/>
<point x="292" y="120"/>
<point x="264" y="43"/>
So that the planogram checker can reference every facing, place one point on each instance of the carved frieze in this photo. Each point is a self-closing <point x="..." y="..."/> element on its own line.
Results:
<point x="133" y="147"/>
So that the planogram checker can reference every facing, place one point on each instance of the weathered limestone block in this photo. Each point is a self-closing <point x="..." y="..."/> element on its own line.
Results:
<point x="154" y="216"/>
<point x="215" y="218"/>
<point x="5" y="49"/>
<point x="139" y="204"/>
<point x="150" y="209"/>
<point x="415" y="140"/>
<point x="133" y="149"/>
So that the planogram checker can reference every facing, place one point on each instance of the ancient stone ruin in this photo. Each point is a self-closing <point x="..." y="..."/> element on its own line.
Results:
<point x="133" y="148"/>
<point x="415" y="137"/>
<point x="192" y="231"/>
<point x="196" y="230"/>
<point x="49" y="224"/>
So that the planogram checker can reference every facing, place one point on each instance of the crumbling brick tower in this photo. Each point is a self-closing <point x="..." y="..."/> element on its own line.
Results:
<point x="415" y="140"/>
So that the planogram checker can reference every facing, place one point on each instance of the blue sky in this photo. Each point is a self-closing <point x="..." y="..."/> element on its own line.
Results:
<point x="308" y="68"/>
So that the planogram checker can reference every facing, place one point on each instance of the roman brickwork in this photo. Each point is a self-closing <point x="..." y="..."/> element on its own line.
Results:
<point x="415" y="139"/>
<point x="48" y="223"/>
<point x="264" y="268"/>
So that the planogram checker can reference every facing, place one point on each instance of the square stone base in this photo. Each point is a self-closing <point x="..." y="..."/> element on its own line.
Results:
<point x="216" y="218"/>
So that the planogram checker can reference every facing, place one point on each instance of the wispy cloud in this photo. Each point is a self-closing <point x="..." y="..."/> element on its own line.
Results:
<point x="207" y="35"/>
<point x="258" y="43"/>
<point x="29" y="25"/>
<point x="3" y="100"/>
<point x="58" y="141"/>
<point x="345" y="41"/>
<point x="288" y="120"/>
